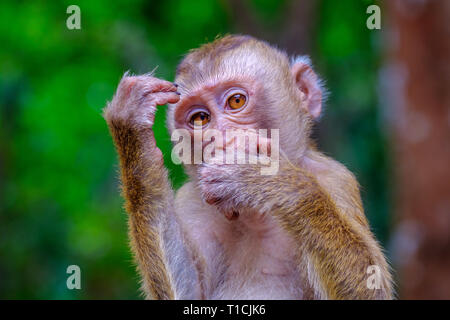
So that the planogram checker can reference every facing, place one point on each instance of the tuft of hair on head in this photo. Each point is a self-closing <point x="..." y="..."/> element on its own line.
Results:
<point x="210" y="51"/>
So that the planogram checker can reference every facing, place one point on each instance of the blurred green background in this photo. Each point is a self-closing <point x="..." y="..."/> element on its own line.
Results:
<point x="60" y="202"/>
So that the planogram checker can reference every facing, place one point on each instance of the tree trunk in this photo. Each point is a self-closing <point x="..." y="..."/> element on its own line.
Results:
<point x="418" y="97"/>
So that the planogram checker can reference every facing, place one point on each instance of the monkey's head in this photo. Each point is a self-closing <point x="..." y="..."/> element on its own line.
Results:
<point x="239" y="82"/>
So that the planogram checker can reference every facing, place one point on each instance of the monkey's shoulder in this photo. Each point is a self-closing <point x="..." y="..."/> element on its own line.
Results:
<point x="339" y="183"/>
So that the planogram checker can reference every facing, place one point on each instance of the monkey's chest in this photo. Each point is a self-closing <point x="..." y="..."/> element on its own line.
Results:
<point x="258" y="289"/>
<point x="260" y="265"/>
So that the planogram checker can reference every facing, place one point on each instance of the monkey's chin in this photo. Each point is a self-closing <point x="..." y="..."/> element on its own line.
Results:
<point x="232" y="215"/>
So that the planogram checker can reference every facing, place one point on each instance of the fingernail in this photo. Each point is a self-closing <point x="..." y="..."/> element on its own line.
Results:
<point x="176" y="85"/>
<point x="178" y="93"/>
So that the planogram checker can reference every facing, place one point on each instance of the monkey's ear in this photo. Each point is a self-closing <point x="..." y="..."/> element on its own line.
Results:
<point x="309" y="85"/>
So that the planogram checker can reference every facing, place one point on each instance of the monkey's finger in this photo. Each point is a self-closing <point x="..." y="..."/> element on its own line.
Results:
<point x="162" y="98"/>
<point x="154" y="85"/>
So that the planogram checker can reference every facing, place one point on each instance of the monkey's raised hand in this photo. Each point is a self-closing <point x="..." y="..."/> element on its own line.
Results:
<point x="136" y="99"/>
<point x="131" y="113"/>
<point x="146" y="188"/>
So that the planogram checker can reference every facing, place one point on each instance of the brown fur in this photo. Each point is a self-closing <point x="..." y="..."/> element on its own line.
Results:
<point x="340" y="250"/>
<point x="145" y="188"/>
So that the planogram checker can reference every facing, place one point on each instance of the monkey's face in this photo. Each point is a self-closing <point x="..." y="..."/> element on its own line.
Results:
<point x="229" y="92"/>
<point x="224" y="107"/>
<point x="240" y="83"/>
<point x="237" y="105"/>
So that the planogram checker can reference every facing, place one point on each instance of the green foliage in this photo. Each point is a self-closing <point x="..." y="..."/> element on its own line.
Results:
<point x="59" y="181"/>
<point x="60" y="201"/>
<point x="348" y="56"/>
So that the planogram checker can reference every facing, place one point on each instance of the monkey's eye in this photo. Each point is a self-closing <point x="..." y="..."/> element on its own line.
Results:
<point x="200" y="118"/>
<point x="236" y="101"/>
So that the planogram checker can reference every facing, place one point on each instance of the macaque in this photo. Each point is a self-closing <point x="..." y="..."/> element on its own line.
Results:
<point x="231" y="232"/>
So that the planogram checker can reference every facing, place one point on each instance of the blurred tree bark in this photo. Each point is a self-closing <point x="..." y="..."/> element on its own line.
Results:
<point x="418" y="85"/>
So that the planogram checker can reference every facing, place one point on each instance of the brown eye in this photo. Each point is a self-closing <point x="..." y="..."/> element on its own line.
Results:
<point x="236" y="101"/>
<point x="200" y="118"/>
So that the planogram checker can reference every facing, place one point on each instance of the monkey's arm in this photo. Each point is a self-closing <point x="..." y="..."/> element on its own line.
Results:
<point x="338" y="251"/>
<point x="156" y="239"/>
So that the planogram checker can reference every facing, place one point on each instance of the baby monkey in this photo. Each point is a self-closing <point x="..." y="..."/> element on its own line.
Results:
<point x="231" y="232"/>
